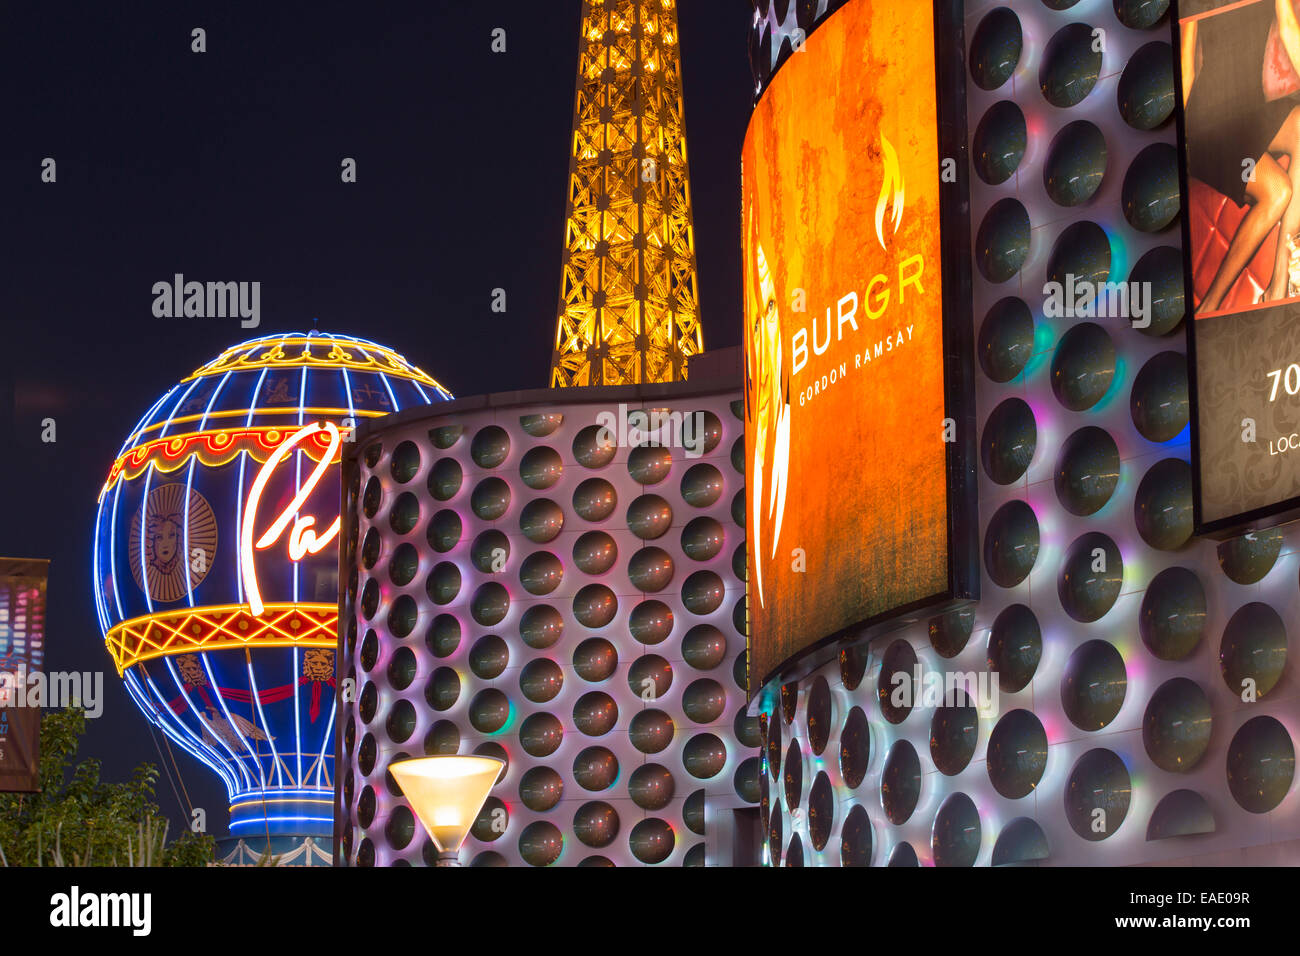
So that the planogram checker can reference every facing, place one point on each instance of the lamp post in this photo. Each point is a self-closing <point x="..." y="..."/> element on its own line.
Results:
<point x="447" y="793"/>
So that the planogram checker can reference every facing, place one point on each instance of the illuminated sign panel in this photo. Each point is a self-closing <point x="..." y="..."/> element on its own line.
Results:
<point x="855" y="448"/>
<point x="22" y="651"/>
<point x="1240" y="156"/>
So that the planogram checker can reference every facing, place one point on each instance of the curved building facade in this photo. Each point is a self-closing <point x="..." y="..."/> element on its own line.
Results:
<point x="531" y="577"/>
<point x="1143" y="712"/>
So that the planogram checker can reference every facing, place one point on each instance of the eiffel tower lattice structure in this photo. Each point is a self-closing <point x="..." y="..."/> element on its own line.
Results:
<point x="629" y="301"/>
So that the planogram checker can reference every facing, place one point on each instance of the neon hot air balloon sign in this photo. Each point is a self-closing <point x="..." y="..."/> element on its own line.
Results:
<point x="304" y="534"/>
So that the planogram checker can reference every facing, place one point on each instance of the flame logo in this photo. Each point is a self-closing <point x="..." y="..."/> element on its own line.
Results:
<point x="892" y="186"/>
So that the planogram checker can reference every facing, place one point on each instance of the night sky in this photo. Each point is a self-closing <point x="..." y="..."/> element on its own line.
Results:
<point x="225" y="166"/>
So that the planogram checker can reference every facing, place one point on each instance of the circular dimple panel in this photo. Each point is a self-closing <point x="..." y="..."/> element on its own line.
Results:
<point x="651" y="786"/>
<point x="651" y="731"/>
<point x="855" y="748"/>
<point x="491" y="604"/>
<point x="1176" y="725"/>
<point x="1011" y="544"/>
<point x="704" y="647"/>
<point x="1093" y="685"/>
<point x="702" y="485"/>
<point x="1008" y="442"/>
<point x="595" y="769"/>
<point x="651" y="622"/>
<point x="792" y="775"/>
<point x="445" y="479"/>
<point x="595" y="606"/>
<point x="1091" y="577"/>
<point x="817" y="715"/>
<point x="596" y="824"/>
<point x="406" y="562"/>
<point x="595" y="659"/>
<point x="443" y="689"/>
<point x="1006" y="339"/>
<point x="405" y="514"/>
<point x="1087" y="470"/>
<point x="540" y="680"/>
<point x="540" y="789"/>
<point x="1162" y="507"/>
<point x="541" y="843"/>
<point x="1261" y="764"/>
<point x="490" y="446"/>
<point x="955" y="838"/>
<point x="1161" y="270"/>
<point x="900" y="782"/>
<point x="853" y="666"/>
<point x="649" y="677"/>
<point x="541" y="573"/>
<point x="489" y="657"/>
<point x="595" y="552"/>
<point x="649" y="465"/>
<point x="903" y="855"/>
<point x="650" y="569"/>
<point x="1083" y="366"/>
<point x="595" y="499"/>
<point x="855" y="838"/>
<point x="821" y="811"/>
<point x="490" y="499"/>
<point x="1097" y="794"/>
<point x="489" y="710"/>
<point x="541" y="626"/>
<point x="954" y="732"/>
<point x="1015" y="647"/>
<point x="649" y="517"/>
<point x="540" y="735"/>
<point x="704" y="756"/>
<point x="652" y="841"/>
<point x="1082" y="253"/>
<point x="1159" y="403"/>
<point x="1173" y="614"/>
<point x="1070" y="66"/>
<point x="1140" y="14"/>
<point x="1017" y="754"/>
<point x="703" y="539"/>
<point x="999" y="142"/>
<point x="1248" y="558"/>
<point x="1145" y="93"/>
<point x="704" y="701"/>
<point x="894" y="687"/>
<point x="995" y="48"/>
<point x="541" y="467"/>
<point x="1252" y="653"/>
<point x="490" y="551"/>
<point x="702" y="592"/>
<point x="1002" y="243"/>
<point x="541" y="521"/>
<point x="1076" y="164"/>
<point x="595" y="447"/>
<point x="541" y="424"/>
<point x="1150" y="193"/>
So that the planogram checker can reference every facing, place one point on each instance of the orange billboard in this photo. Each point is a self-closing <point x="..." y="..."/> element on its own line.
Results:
<point x="848" y="435"/>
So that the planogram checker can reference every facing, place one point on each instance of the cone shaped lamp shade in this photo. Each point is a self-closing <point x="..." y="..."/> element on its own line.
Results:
<point x="447" y="793"/>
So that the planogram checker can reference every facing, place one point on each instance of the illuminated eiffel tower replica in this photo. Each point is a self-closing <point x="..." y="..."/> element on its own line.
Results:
<point x="629" y="302"/>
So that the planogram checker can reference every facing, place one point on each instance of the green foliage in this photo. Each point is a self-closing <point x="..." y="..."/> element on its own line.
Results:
<point x="77" y="819"/>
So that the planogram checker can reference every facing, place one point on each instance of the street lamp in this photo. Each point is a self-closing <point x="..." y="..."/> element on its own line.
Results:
<point x="447" y="793"/>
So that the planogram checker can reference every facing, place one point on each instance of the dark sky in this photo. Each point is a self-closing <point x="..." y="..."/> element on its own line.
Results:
<point x="225" y="166"/>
